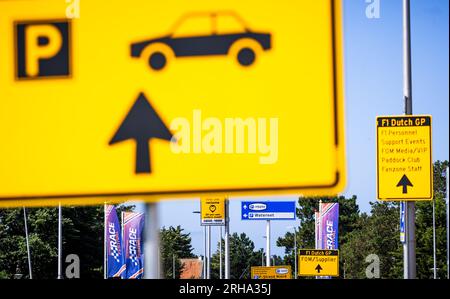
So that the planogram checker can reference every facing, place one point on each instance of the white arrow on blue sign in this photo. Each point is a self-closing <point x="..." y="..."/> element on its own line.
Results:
<point x="268" y="210"/>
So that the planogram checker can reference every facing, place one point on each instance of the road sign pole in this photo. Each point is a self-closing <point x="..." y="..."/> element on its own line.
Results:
<point x="220" y="252"/>
<point x="434" y="240"/>
<point x="151" y="241"/>
<point x="208" y="265"/>
<point x="105" y="254"/>
<point x="295" y="253"/>
<point x="409" y="249"/>
<point x="268" y="243"/>
<point x="205" y="259"/>
<point x="30" y="273"/>
<point x="227" y="241"/>
<point x="173" y="266"/>
<point x="60" y="241"/>
<point x="448" y="234"/>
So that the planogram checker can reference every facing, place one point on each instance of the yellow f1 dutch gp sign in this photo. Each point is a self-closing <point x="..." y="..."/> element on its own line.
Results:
<point x="318" y="262"/>
<point x="150" y="99"/>
<point x="404" y="164"/>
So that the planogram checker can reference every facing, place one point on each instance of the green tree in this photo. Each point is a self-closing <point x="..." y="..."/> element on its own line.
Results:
<point x="82" y="235"/>
<point x="424" y="227"/>
<point x="174" y="244"/>
<point x="377" y="234"/>
<point x="242" y="257"/>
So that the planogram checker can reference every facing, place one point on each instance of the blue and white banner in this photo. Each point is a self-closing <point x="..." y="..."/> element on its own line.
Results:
<point x="268" y="210"/>
<point x="402" y="222"/>
<point x="113" y="243"/>
<point x="133" y="227"/>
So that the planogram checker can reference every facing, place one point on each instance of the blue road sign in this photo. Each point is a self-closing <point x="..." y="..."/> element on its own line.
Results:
<point x="268" y="210"/>
<point x="402" y="222"/>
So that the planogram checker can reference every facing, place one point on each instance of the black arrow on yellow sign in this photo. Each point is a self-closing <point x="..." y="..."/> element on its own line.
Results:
<point x="404" y="182"/>
<point x="318" y="268"/>
<point x="142" y="123"/>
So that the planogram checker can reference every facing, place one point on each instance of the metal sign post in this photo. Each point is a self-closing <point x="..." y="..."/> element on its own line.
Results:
<point x="208" y="253"/>
<point x="151" y="242"/>
<point x="448" y="235"/>
<point x="295" y="253"/>
<point x="205" y="252"/>
<point x="30" y="273"/>
<point x="409" y="253"/>
<point x="434" y="240"/>
<point x="220" y="252"/>
<point x="227" y="241"/>
<point x="60" y="242"/>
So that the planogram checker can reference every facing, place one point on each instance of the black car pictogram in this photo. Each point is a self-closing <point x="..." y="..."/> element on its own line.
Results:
<point x="234" y="39"/>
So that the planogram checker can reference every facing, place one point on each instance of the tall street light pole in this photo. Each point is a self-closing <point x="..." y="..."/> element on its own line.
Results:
<point x="409" y="248"/>
<point x="60" y="241"/>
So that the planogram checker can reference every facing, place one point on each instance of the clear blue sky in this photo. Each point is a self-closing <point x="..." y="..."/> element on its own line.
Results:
<point x="373" y="73"/>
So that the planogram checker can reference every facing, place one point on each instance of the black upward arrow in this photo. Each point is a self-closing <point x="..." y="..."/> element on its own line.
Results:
<point x="405" y="182"/>
<point x="142" y="123"/>
<point x="318" y="268"/>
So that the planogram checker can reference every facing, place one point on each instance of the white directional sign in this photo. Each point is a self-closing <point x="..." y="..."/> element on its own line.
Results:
<point x="268" y="210"/>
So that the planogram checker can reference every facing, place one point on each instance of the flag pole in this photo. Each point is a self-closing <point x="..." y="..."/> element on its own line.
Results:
<point x="124" y="246"/>
<point x="30" y="272"/>
<point x="60" y="241"/>
<point x="105" y="258"/>
<point x="409" y="251"/>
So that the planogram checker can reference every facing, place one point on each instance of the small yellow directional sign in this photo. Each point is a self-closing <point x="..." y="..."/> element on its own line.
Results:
<point x="404" y="164"/>
<point x="318" y="262"/>
<point x="274" y="272"/>
<point x="147" y="99"/>
<point x="213" y="211"/>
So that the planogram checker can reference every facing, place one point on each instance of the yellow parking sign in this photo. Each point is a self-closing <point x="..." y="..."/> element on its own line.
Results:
<point x="160" y="99"/>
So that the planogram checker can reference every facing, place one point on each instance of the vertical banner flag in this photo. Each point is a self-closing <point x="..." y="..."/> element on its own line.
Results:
<point x="133" y="226"/>
<point x="329" y="222"/>
<point x="402" y="222"/>
<point x="113" y="243"/>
